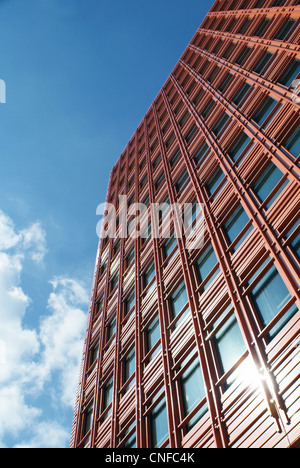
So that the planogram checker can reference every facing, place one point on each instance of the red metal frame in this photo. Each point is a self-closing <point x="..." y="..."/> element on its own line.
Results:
<point x="262" y="413"/>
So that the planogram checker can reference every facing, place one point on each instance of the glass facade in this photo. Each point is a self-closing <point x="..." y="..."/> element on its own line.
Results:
<point x="235" y="225"/>
<point x="178" y="301"/>
<point x="229" y="344"/>
<point x="270" y="296"/>
<point x="159" y="425"/>
<point x="197" y="346"/>
<point x="193" y="392"/>
<point x="205" y="265"/>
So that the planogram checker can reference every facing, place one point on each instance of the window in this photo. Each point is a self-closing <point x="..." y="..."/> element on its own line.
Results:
<point x="217" y="46"/>
<point x="159" y="424"/>
<point x="108" y="395"/>
<point x="99" y="306"/>
<point x="296" y="245"/>
<point x="214" y="182"/>
<point x="207" y="267"/>
<point x="175" y="158"/>
<point x="229" y="49"/>
<point x="170" y="140"/>
<point x="182" y="181"/>
<point x="94" y="353"/>
<point x="224" y="83"/>
<point x="152" y="335"/>
<point x="220" y="125"/>
<point x="262" y="28"/>
<point x="263" y="62"/>
<point x="130" y="442"/>
<point x="193" y="392"/>
<point x="229" y="345"/>
<point x="241" y="58"/>
<point x="156" y="161"/>
<point x="208" y="108"/>
<point x="230" y="26"/>
<point x="159" y="182"/>
<point x="149" y="275"/>
<point x="154" y="146"/>
<point x="114" y="282"/>
<point x="112" y="328"/>
<point x="264" y="111"/>
<point x="131" y="181"/>
<point x="270" y="296"/>
<point x="163" y="210"/>
<point x="200" y="153"/>
<point x="241" y="94"/>
<point x="129" y="367"/>
<point x="179" y="301"/>
<point x="184" y="119"/>
<point x="169" y="247"/>
<point x="244" y="26"/>
<point x="143" y="181"/>
<point x="290" y="74"/>
<point x="191" y="134"/>
<point x="146" y="233"/>
<point x="235" y="228"/>
<point x="213" y="74"/>
<point x="285" y="30"/>
<point x="130" y="303"/>
<point x="197" y="98"/>
<point x="267" y="182"/>
<point x="166" y="126"/>
<point x="191" y="214"/>
<point x="88" y="420"/>
<point x="258" y="3"/>
<point x="130" y="258"/>
<point x="239" y="147"/>
<point x="294" y="241"/>
<point x="292" y="142"/>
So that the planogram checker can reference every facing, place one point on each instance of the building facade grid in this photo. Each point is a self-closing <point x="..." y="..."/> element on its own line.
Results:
<point x="200" y="348"/>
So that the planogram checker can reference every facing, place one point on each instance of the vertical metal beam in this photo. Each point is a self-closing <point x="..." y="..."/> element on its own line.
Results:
<point x="282" y="262"/>
<point x="236" y="297"/>
<point x="88" y="334"/>
<point x="170" y="390"/>
<point x="284" y="163"/>
<point x="219" y="432"/>
<point x="140" y="424"/>
<point x="117" y="370"/>
<point x="97" y="395"/>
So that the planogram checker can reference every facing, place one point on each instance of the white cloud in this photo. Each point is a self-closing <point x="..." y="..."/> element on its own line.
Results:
<point x="8" y="237"/>
<point x="61" y="334"/>
<point x="30" y="241"/>
<point x="34" y="241"/>
<point x="15" y="414"/>
<point x="44" y="357"/>
<point x="19" y="342"/>
<point x="47" y="434"/>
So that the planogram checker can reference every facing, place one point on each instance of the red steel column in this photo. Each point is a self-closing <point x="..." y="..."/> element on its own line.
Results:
<point x="280" y="158"/>
<point x="102" y="341"/>
<point x="285" y="267"/>
<point x="213" y="399"/>
<point x="170" y="390"/>
<point x="140" y="423"/>
<point x="233" y="288"/>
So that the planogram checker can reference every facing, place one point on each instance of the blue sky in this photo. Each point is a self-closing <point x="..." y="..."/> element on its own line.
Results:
<point x="80" y="75"/>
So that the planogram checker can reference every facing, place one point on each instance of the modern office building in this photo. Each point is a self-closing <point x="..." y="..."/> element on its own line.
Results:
<point x="200" y="346"/>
